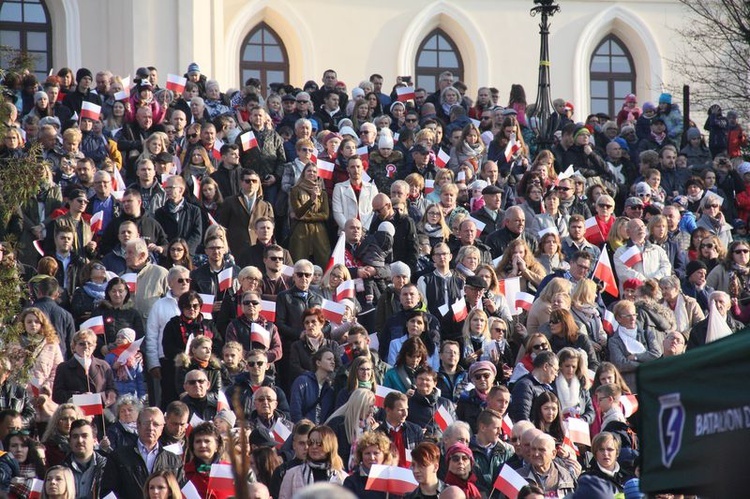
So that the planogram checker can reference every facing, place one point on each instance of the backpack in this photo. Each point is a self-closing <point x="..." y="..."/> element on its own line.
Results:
<point x="629" y="444"/>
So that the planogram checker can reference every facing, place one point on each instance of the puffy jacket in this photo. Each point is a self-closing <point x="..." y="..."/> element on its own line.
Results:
<point x="522" y="397"/>
<point x="487" y="464"/>
<point x="309" y="400"/>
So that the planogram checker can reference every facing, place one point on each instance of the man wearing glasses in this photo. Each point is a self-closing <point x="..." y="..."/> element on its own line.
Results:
<point x="470" y="404"/>
<point x="254" y="381"/>
<point x="539" y="380"/>
<point x="581" y="265"/>
<point x="265" y="412"/>
<point x="290" y="304"/>
<point x="200" y="402"/>
<point x="239" y="213"/>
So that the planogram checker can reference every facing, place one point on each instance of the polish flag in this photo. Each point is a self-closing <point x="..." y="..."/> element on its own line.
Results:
<point x="268" y="310"/>
<point x="461" y="176"/>
<point x="125" y="82"/>
<point x="36" y="386"/>
<point x="524" y="300"/>
<point x="280" y="433"/>
<point x="603" y="271"/>
<point x="510" y="288"/>
<point x="592" y="229"/>
<point x="442" y="158"/>
<point x="259" y="334"/>
<point x="37" y="486"/>
<point x="174" y="448"/>
<point x="507" y="425"/>
<point x="225" y="279"/>
<point x="221" y="477"/>
<point x="459" y="310"/>
<point x="248" y="141"/>
<point x="131" y="350"/>
<point x="131" y="280"/>
<point x="176" y="83"/>
<point x="380" y="393"/>
<point x="208" y="305"/>
<point x="325" y="169"/>
<point x="118" y="183"/>
<point x="590" y="375"/>
<point x="89" y="403"/>
<point x="405" y="94"/>
<point x="189" y="340"/>
<point x="333" y="311"/>
<point x="195" y="420"/>
<point x="96" y="324"/>
<point x="339" y="253"/>
<point x="38" y="247"/>
<point x="287" y="270"/>
<point x="345" y="290"/>
<point x="314" y="156"/>
<point x="395" y="137"/>
<point x="480" y="225"/>
<point x="629" y="404"/>
<point x="512" y="148"/>
<point x="391" y="480"/>
<point x="211" y="220"/>
<point x="548" y="230"/>
<point x="429" y="185"/>
<point x="443" y="418"/>
<point x="631" y="256"/>
<point x="364" y="154"/>
<point x="96" y="222"/>
<point x="190" y="492"/>
<point x="196" y="186"/>
<point x="578" y="430"/>
<point x="90" y="110"/>
<point x="566" y="174"/>
<point x="222" y="403"/>
<point x="509" y="482"/>
<point x="122" y="95"/>
<point x="609" y="322"/>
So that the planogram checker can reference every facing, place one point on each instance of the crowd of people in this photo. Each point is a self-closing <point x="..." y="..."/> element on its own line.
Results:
<point x="355" y="278"/>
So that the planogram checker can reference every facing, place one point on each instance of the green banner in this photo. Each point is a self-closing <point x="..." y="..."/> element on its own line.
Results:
<point x="695" y="418"/>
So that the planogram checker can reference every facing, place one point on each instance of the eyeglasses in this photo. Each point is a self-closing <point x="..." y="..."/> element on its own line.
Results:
<point x="306" y="149"/>
<point x="482" y="376"/>
<point x="714" y="206"/>
<point x="192" y="135"/>
<point x="276" y="258"/>
<point x="636" y="207"/>
<point x="410" y="120"/>
<point x="605" y="206"/>
<point x="82" y="200"/>
<point x="259" y="363"/>
<point x="741" y="251"/>
<point x="302" y="101"/>
<point x="315" y="443"/>
<point x="628" y="316"/>
<point x="194" y="306"/>
<point x="86" y="344"/>
<point x="458" y="458"/>
<point x="303" y="274"/>
<point x="196" y="381"/>
<point x="500" y="330"/>
<point x="254" y="303"/>
<point x="540" y="346"/>
<point x="363" y="131"/>
<point x="215" y="248"/>
<point x="184" y="280"/>
<point x="708" y="245"/>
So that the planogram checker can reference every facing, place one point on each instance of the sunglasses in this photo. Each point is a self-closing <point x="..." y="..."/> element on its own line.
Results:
<point x="303" y="274"/>
<point x="554" y="321"/>
<point x="260" y="363"/>
<point x="184" y="280"/>
<point x="605" y="206"/>
<point x="254" y="303"/>
<point x="302" y="101"/>
<point x="565" y="189"/>
<point x="499" y="330"/>
<point x="196" y="381"/>
<point x="708" y="245"/>
<point x="307" y="149"/>
<point x="276" y="258"/>
<point x="194" y="306"/>
<point x="411" y="121"/>
<point x="192" y="135"/>
<point x="741" y="251"/>
<point x="540" y="346"/>
<point x="482" y="376"/>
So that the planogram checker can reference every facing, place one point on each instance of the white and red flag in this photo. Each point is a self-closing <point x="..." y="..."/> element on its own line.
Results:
<point x="225" y="279"/>
<point x="222" y="403"/>
<point x="221" y="477"/>
<point x="259" y="334"/>
<point x="429" y="185"/>
<point x="509" y="482"/>
<point x="176" y="83"/>
<point x="96" y="222"/>
<point x="268" y="310"/>
<point x="507" y="425"/>
<point x="524" y="300"/>
<point x="479" y="225"/>
<point x="208" y="305"/>
<point x="248" y="141"/>
<point x="90" y="110"/>
<point x="333" y="311"/>
<point x="460" y="312"/>
<point x="391" y="480"/>
<point x="609" y="322"/>
<point x="89" y="403"/>
<point x="442" y="158"/>
<point x="631" y="256"/>
<point x="592" y="229"/>
<point x="578" y="430"/>
<point x="510" y="287"/>
<point x="603" y="272"/>
<point x="96" y="324"/>
<point x="35" y="491"/>
<point x="131" y="281"/>
<point x="380" y="393"/>
<point x="189" y="491"/>
<point x="443" y="418"/>
<point x="346" y="290"/>
<point x="629" y="404"/>
<point x="512" y="148"/>
<point x="338" y="255"/>
<point x="280" y="432"/>
<point x="325" y="169"/>
<point x="404" y="94"/>
<point x="131" y="350"/>
<point x="121" y="95"/>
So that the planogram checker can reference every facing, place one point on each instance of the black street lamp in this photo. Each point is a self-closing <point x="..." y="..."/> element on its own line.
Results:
<point x="545" y="118"/>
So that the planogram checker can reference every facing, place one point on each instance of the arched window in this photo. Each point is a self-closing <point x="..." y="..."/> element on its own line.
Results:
<point x="25" y="26"/>
<point x="436" y="54"/>
<point x="264" y="57"/>
<point x="612" y="76"/>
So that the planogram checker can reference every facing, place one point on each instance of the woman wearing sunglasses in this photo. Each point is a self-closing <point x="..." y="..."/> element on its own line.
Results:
<point x="535" y="343"/>
<point x="566" y="332"/>
<point x="253" y="331"/>
<point x="631" y="346"/>
<point x="733" y="276"/>
<point x="712" y="218"/>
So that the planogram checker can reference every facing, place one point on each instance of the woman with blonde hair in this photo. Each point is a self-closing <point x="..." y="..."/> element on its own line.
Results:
<point x="518" y="261"/>
<point x="477" y="341"/>
<point x="444" y="176"/>
<point x="535" y="343"/>
<point x="433" y="225"/>
<point x="572" y="385"/>
<point x="555" y="295"/>
<point x="59" y="484"/>
<point x="322" y="463"/>
<point x="373" y="448"/>
<point x="351" y="420"/>
<point x="196" y="167"/>
<point x="586" y="311"/>
<point x="309" y="212"/>
<point x="56" y="437"/>
<point x="493" y="301"/>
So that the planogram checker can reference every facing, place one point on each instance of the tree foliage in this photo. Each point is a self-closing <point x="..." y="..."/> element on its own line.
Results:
<point x="717" y="53"/>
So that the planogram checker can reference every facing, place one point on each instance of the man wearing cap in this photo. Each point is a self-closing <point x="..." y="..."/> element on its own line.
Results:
<point x="193" y="75"/>
<point x="482" y="374"/>
<point x="74" y="100"/>
<point x="694" y="284"/>
<point x="83" y="243"/>
<point x="633" y="208"/>
<point x="491" y="214"/>
<point x="422" y="163"/>
<point x="533" y="384"/>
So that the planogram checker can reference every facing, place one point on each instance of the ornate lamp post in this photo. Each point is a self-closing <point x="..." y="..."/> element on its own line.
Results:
<point x="545" y="118"/>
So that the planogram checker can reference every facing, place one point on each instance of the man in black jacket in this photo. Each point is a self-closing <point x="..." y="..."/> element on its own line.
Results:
<point x="405" y="248"/>
<point x="247" y="383"/>
<point x="515" y="227"/>
<point x="128" y="467"/>
<point x="131" y="138"/>
<point x="491" y="214"/>
<point x="148" y="228"/>
<point x="402" y="433"/>
<point x="178" y="217"/>
<point x="86" y="464"/>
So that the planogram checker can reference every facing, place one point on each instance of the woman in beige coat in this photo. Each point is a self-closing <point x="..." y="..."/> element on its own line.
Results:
<point x="309" y="213"/>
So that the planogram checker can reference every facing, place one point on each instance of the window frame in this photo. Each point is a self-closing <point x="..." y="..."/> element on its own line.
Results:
<point x="614" y="101"/>
<point x="264" y="66"/>
<point x="426" y="71"/>
<point x="24" y="28"/>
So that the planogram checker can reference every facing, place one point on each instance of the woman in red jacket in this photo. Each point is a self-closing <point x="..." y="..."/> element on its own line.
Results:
<point x="206" y="448"/>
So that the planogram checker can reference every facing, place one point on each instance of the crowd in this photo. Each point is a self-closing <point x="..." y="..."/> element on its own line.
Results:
<point x="358" y="278"/>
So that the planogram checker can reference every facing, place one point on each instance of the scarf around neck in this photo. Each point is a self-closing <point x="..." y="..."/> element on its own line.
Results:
<point x="629" y="338"/>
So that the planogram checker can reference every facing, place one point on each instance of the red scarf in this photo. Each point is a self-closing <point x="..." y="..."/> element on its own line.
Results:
<point x="467" y="486"/>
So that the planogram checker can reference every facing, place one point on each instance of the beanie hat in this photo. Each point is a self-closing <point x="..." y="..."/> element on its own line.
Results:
<point x="632" y="283"/>
<point x="261" y="437"/>
<point x="744" y="168"/>
<point x="348" y="304"/>
<point x="462" y="448"/>
<point x="83" y="73"/>
<point x="648" y="106"/>
<point x="622" y="142"/>
<point x="698" y="182"/>
<point x="386" y="141"/>
<point x="194" y="68"/>
<point x="580" y="131"/>
<point x="388" y="228"/>
<point x="127" y="334"/>
<point x="227" y="416"/>
<point x="479" y="184"/>
<point x="357" y="92"/>
<point x="732" y="114"/>
<point x="330" y="136"/>
<point x="642" y="188"/>
<point x="482" y="365"/>
<point x="695" y="266"/>
<point x="39" y="96"/>
<point x="693" y="133"/>
<point x="632" y="489"/>
<point x="630" y="98"/>
<point x="665" y="98"/>
<point x="400" y="268"/>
